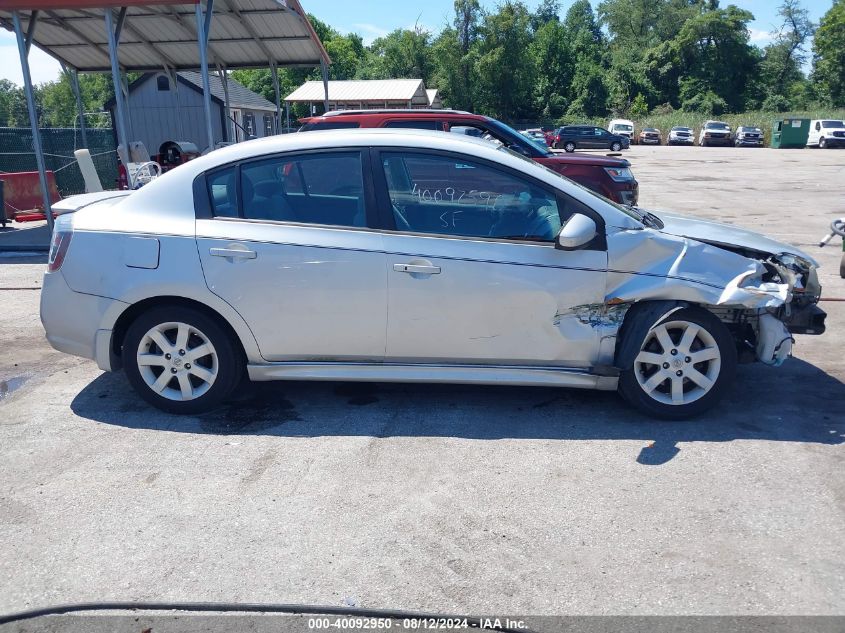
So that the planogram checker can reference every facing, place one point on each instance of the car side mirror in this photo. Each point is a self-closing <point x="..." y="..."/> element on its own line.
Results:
<point x="578" y="231"/>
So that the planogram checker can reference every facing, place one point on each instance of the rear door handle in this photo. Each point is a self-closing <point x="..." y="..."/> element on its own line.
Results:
<point x="233" y="252"/>
<point x="417" y="268"/>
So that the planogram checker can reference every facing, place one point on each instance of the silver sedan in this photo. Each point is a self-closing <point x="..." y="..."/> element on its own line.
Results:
<point x="388" y="255"/>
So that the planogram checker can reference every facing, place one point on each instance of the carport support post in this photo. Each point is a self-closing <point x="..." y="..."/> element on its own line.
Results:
<point x="275" y="71"/>
<point x="120" y="106"/>
<point x="23" y="49"/>
<point x="203" y="28"/>
<point x="325" y="70"/>
<point x="73" y="76"/>
<point x="227" y="109"/>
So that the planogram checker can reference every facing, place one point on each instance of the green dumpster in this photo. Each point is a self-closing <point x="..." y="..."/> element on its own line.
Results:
<point x="790" y="133"/>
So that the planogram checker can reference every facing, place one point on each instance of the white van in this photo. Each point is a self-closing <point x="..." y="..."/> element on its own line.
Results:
<point x="826" y="133"/>
<point x="622" y="127"/>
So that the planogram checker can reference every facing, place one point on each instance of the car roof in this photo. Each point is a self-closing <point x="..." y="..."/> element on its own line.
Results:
<point x="377" y="115"/>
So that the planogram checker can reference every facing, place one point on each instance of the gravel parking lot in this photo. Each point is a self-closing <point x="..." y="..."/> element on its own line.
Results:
<point x="446" y="498"/>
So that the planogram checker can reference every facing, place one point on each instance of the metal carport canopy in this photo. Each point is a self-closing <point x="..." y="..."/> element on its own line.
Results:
<point x="162" y="34"/>
<point x="147" y="35"/>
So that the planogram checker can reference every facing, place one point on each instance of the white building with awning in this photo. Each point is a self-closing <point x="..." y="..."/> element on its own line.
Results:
<point x="366" y="94"/>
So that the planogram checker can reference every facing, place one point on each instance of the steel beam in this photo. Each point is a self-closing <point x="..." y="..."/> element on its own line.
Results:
<point x="33" y="115"/>
<point x="119" y="104"/>
<point x="325" y="70"/>
<point x="73" y="76"/>
<point x="30" y="30"/>
<point x="227" y="108"/>
<point x="275" y="71"/>
<point x="203" y="28"/>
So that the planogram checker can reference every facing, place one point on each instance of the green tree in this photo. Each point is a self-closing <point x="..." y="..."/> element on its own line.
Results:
<point x="780" y="68"/>
<point x="829" y="55"/>
<point x="401" y="54"/>
<point x="555" y="64"/>
<point x="588" y="91"/>
<point x="708" y="63"/>
<point x="504" y="67"/>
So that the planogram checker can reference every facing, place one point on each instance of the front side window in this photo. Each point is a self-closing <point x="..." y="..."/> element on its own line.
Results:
<point x="325" y="188"/>
<point x="451" y="196"/>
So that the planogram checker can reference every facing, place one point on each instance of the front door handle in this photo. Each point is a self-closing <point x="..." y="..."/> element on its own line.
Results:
<point x="421" y="269"/>
<point x="233" y="252"/>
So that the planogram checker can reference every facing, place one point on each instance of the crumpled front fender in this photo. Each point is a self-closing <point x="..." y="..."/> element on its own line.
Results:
<point x="646" y="265"/>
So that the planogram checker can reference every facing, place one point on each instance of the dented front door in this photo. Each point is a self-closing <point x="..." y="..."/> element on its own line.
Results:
<point x="473" y="274"/>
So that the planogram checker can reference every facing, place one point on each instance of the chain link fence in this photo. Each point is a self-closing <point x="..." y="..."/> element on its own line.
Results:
<point x="17" y="154"/>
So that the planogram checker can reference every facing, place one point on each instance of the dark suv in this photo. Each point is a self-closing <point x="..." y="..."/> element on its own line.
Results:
<point x="611" y="177"/>
<point x="572" y="137"/>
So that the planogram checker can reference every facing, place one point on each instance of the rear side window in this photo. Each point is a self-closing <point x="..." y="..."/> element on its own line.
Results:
<point x="325" y="188"/>
<point x="329" y="125"/>
<point x="415" y="125"/>
<point x="223" y="193"/>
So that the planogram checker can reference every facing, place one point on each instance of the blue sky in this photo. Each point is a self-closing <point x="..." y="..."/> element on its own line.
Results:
<point x="372" y="18"/>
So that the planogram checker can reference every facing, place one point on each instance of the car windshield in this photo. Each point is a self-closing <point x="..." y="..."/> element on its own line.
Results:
<point x="510" y="136"/>
<point x="623" y="127"/>
<point x="833" y="124"/>
<point x="717" y="126"/>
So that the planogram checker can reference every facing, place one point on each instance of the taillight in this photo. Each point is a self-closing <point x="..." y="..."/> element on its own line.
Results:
<point x="58" y="250"/>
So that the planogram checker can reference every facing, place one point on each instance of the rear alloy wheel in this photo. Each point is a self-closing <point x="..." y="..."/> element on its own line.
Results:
<point x="683" y="366"/>
<point x="180" y="360"/>
<point x="615" y="147"/>
<point x="569" y="147"/>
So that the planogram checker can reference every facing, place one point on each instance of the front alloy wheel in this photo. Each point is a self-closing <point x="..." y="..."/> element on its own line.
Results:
<point x="180" y="360"/>
<point x="822" y="143"/>
<point x="682" y="367"/>
<point x="615" y="147"/>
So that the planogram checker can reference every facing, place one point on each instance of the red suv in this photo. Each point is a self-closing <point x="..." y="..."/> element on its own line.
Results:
<point x="609" y="176"/>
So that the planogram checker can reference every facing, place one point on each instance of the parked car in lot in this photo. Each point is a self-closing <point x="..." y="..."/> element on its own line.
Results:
<point x="650" y="136"/>
<point x="715" y="133"/>
<point x="826" y="133"/>
<point x="748" y="136"/>
<point x="537" y="134"/>
<point x="609" y="176"/>
<point x="379" y="255"/>
<point x="572" y="137"/>
<point x="622" y="127"/>
<point x="680" y="135"/>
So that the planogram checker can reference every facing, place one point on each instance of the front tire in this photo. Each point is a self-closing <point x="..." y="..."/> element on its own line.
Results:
<point x="569" y="147"/>
<point x="822" y="143"/>
<point x="684" y="365"/>
<point x="616" y="147"/>
<point x="181" y="360"/>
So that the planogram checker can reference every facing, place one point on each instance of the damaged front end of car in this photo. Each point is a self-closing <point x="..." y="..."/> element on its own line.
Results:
<point x="763" y="298"/>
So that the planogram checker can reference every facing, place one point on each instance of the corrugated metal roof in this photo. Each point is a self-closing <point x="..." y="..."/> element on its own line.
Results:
<point x="244" y="34"/>
<point x="361" y="90"/>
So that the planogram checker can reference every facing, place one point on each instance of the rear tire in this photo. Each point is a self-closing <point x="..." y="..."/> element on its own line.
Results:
<point x="181" y="360"/>
<point x="679" y="385"/>
<point x="842" y="266"/>
<point x="569" y="147"/>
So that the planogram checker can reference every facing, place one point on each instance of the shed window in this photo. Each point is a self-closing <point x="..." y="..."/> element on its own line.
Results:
<point x="268" y="125"/>
<point x="163" y="83"/>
